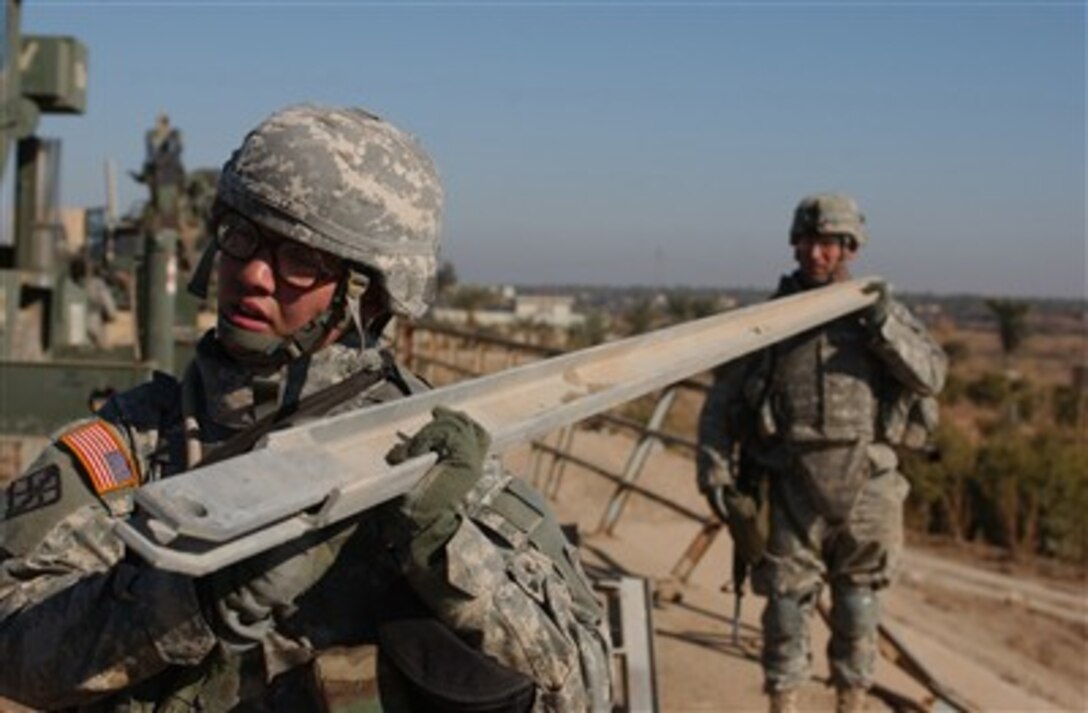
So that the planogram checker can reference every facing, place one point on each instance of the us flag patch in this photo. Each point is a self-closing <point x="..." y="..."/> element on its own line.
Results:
<point x="98" y="447"/>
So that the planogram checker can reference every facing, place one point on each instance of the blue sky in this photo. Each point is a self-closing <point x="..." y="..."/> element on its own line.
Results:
<point x="655" y="143"/>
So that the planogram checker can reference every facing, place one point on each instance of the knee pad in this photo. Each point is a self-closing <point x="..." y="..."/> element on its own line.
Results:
<point x="784" y="617"/>
<point x="855" y="611"/>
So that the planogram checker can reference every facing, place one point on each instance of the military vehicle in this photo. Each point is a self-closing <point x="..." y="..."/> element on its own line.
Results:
<point x="50" y="371"/>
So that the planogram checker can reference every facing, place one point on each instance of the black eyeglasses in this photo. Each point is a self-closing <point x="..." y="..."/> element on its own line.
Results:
<point x="297" y="264"/>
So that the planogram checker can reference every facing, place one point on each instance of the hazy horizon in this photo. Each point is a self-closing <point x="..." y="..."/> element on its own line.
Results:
<point x="1080" y="300"/>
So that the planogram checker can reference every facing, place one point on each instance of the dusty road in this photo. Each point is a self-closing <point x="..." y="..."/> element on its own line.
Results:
<point x="1000" y="642"/>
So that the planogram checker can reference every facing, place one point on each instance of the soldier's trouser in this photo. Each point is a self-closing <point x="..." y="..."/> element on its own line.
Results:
<point x="855" y="614"/>
<point x="786" y="652"/>
<point x="857" y="557"/>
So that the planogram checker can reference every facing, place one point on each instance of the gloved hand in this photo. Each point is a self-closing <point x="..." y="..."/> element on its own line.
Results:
<point x="712" y="469"/>
<point x="715" y="497"/>
<point x="740" y="513"/>
<point x="243" y="601"/>
<point x="877" y="313"/>
<point x="428" y="511"/>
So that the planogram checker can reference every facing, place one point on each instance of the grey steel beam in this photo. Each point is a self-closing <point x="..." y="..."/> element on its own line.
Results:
<point x="312" y="475"/>
<point x="636" y="462"/>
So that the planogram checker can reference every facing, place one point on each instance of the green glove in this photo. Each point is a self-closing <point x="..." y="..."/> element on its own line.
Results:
<point x="428" y="512"/>
<point x="713" y="470"/>
<point x="740" y="514"/>
<point x="877" y="313"/>
<point x="243" y="601"/>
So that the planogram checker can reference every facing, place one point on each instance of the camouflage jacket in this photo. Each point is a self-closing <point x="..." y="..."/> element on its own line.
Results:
<point x="83" y="624"/>
<point x="842" y="385"/>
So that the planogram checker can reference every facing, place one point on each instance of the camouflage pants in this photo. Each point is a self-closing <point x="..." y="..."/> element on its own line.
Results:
<point x="856" y="557"/>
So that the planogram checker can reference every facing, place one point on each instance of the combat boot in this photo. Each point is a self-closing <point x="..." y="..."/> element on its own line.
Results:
<point x="849" y="699"/>
<point x="784" y="701"/>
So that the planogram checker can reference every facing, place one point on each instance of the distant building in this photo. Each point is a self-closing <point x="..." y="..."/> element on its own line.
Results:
<point x="551" y="310"/>
<point x="726" y="302"/>
<point x="930" y="313"/>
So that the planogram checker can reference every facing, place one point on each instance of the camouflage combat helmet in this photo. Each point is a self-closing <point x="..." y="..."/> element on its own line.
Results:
<point x="829" y="214"/>
<point x="346" y="182"/>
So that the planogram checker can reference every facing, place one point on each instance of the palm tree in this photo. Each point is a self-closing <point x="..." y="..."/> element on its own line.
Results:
<point x="1012" y="326"/>
<point x="1012" y="329"/>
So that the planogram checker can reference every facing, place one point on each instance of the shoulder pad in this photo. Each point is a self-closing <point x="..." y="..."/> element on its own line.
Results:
<point x="101" y="450"/>
<point x="144" y="406"/>
<point x="164" y="388"/>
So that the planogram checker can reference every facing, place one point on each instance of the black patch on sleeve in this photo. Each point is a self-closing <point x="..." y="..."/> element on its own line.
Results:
<point x="35" y="490"/>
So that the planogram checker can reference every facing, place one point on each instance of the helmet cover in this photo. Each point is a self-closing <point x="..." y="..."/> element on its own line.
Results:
<point x="829" y="214"/>
<point x="349" y="183"/>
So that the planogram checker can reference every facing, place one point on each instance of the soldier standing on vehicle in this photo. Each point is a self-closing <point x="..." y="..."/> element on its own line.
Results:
<point x="818" y="415"/>
<point x="326" y="225"/>
<point x="163" y="170"/>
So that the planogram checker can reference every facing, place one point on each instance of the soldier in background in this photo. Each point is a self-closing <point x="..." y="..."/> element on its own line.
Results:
<point x="163" y="171"/>
<point x="326" y="224"/>
<point x="818" y="414"/>
<point x="101" y="307"/>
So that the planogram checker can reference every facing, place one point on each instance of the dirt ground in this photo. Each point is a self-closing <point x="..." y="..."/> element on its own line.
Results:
<point x="993" y="652"/>
<point x="1044" y="359"/>
<point x="1033" y="652"/>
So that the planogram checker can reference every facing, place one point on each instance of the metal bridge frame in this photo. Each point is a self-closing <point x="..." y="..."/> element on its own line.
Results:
<point x="464" y="354"/>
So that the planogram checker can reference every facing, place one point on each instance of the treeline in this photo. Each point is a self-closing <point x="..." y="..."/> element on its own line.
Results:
<point x="1011" y="471"/>
<point x="1023" y="491"/>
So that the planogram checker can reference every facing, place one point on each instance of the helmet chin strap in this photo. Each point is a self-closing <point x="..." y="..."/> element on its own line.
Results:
<point x="266" y="351"/>
<point x="369" y="327"/>
<point x="269" y="352"/>
<point x="202" y="275"/>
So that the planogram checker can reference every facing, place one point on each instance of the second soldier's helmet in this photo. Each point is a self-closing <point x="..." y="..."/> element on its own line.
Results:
<point x="829" y="214"/>
<point x="348" y="183"/>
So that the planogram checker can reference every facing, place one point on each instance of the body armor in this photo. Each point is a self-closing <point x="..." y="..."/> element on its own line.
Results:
<point x="824" y="406"/>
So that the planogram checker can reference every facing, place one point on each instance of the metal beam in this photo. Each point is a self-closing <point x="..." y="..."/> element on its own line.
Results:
<point x="312" y="475"/>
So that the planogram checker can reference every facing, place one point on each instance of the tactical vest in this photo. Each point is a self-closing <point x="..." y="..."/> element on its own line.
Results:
<point x="821" y="404"/>
<point x="824" y="385"/>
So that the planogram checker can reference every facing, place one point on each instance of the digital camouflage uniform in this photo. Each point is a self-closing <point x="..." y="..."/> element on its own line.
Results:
<point x="819" y="413"/>
<point x="85" y="624"/>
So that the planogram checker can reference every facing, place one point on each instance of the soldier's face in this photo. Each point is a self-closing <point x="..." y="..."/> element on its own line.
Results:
<point x="254" y="296"/>
<point x="823" y="258"/>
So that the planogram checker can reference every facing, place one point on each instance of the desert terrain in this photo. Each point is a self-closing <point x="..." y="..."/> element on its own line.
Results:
<point x="974" y="626"/>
